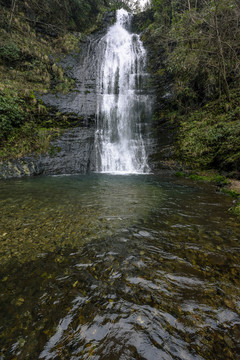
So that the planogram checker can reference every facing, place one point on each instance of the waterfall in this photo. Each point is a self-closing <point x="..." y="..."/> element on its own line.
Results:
<point x="123" y="109"/>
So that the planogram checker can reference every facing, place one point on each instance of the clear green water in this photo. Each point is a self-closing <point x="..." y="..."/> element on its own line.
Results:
<point x="108" y="267"/>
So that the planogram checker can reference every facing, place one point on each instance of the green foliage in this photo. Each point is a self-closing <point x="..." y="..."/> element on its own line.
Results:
<point x="235" y="209"/>
<point x="56" y="17"/>
<point x="210" y="137"/>
<point x="28" y="139"/>
<point x="194" y="49"/>
<point x="22" y="118"/>
<point x="10" y="52"/>
<point x="200" y="44"/>
<point x="180" y="174"/>
<point x="19" y="142"/>
<point x="11" y="113"/>
<point x="232" y="193"/>
<point x="212" y="177"/>
<point x="215" y="178"/>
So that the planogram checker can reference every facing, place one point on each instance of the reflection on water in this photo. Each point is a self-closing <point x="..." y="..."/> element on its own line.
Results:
<point x="118" y="267"/>
<point x="43" y="214"/>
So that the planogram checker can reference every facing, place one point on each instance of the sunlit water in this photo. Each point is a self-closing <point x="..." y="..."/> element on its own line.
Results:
<point x="124" y="108"/>
<point x="108" y="267"/>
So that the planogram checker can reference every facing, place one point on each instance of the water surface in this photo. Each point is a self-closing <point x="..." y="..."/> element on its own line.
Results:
<point x="110" y="267"/>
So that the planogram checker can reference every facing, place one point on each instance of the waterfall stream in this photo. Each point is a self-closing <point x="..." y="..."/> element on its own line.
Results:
<point x="123" y="107"/>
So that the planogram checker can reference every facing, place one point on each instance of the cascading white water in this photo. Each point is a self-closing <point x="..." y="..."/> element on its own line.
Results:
<point x="122" y="105"/>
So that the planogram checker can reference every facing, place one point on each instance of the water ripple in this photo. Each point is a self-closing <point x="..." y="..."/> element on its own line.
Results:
<point x="161" y="284"/>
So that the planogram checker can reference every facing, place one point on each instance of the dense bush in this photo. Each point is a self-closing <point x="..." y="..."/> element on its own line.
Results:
<point x="11" y="114"/>
<point x="9" y="52"/>
<point x="210" y="137"/>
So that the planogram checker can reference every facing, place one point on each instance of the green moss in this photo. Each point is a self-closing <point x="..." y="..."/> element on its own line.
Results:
<point x="28" y="126"/>
<point x="232" y="193"/>
<point x="29" y="139"/>
<point x="236" y="210"/>
<point x="180" y="174"/>
<point x="211" y="176"/>
<point x="215" y="178"/>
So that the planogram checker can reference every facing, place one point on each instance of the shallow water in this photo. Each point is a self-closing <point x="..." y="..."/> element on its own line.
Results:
<point x="118" y="267"/>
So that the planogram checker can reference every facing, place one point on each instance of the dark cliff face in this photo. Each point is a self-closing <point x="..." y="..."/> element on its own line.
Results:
<point x="83" y="67"/>
<point x="74" y="151"/>
<point x="71" y="153"/>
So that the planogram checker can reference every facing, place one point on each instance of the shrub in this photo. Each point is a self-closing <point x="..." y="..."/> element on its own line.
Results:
<point x="9" y="52"/>
<point x="11" y="113"/>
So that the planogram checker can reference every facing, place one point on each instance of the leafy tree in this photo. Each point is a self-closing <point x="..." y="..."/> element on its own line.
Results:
<point x="200" y="40"/>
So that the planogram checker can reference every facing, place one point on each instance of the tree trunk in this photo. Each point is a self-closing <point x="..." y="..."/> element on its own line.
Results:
<point x="222" y="64"/>
<point x="13" y="6"/>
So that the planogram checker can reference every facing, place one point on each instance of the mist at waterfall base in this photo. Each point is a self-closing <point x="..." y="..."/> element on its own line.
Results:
<point x="124" y="107"/>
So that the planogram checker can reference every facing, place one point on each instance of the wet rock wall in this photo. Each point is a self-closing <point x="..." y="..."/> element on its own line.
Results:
<point x="71" y="153"/>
